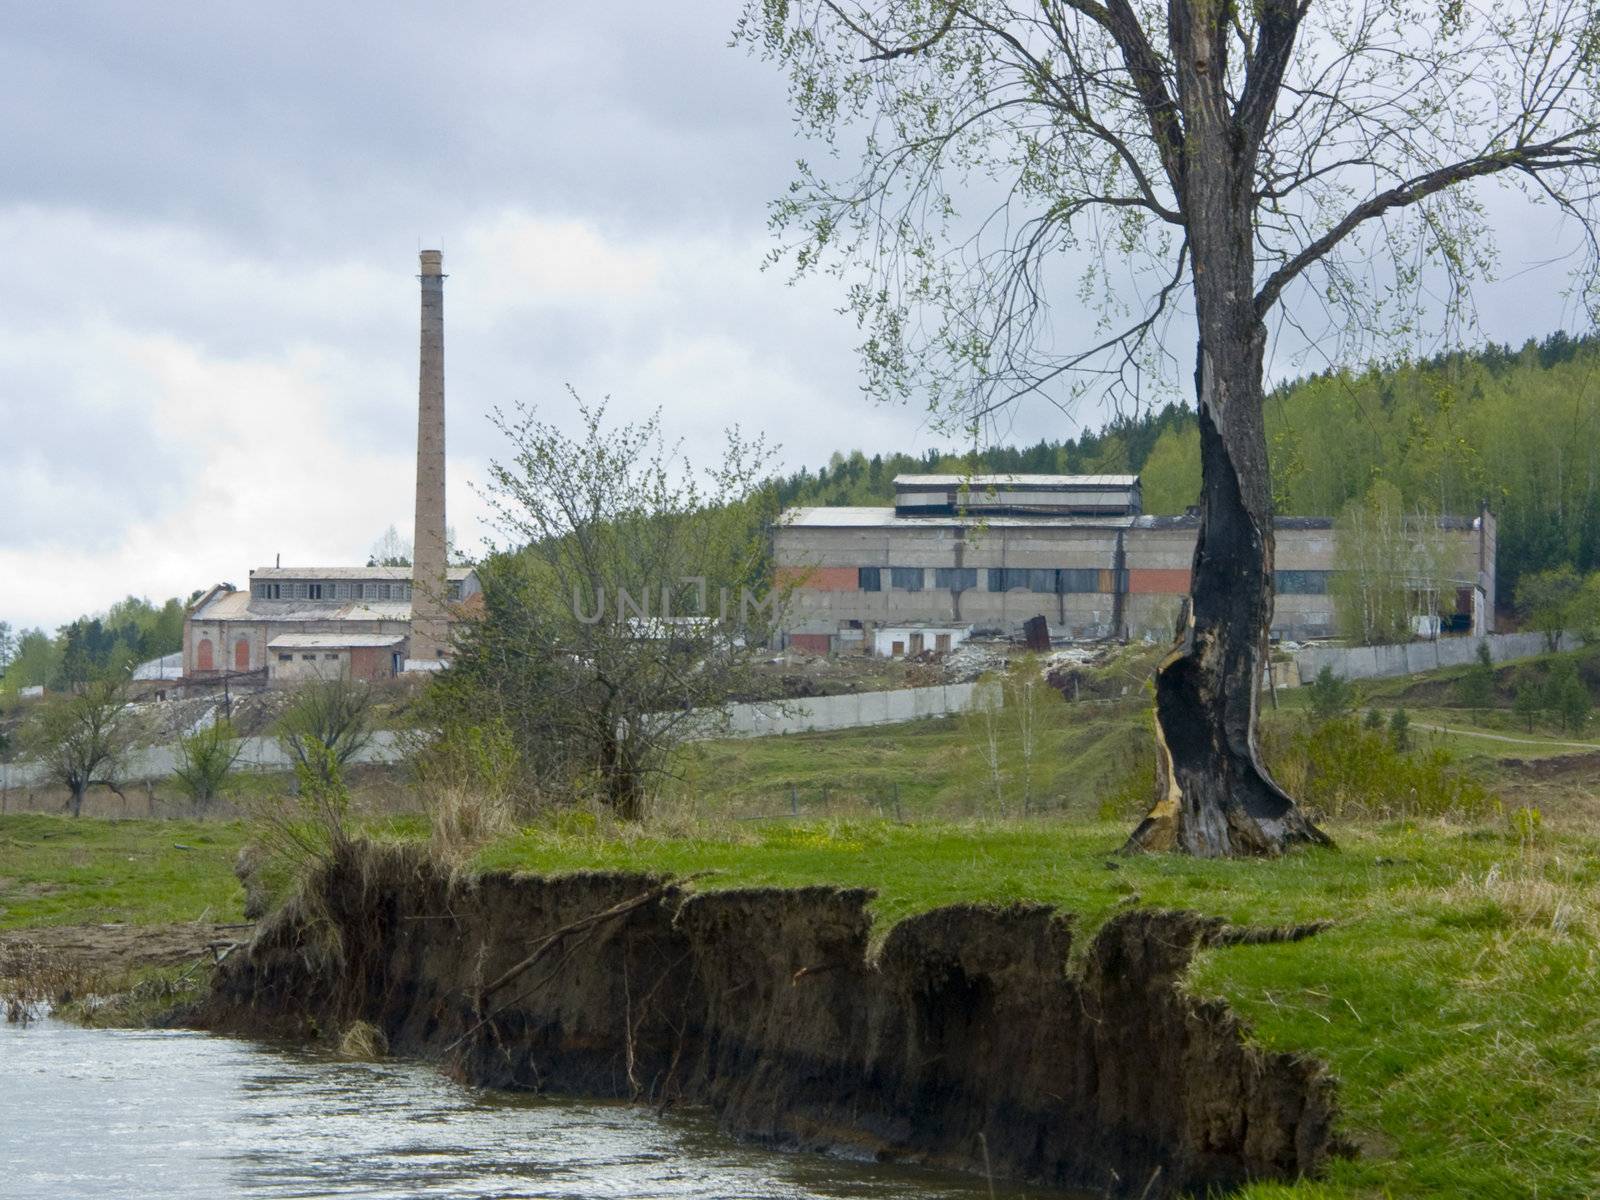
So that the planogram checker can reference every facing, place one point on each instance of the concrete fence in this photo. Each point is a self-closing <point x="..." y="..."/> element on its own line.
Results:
<point x="853" y="711"/>
<point x="737" y="720"/>
<point x="1386" y="662"/>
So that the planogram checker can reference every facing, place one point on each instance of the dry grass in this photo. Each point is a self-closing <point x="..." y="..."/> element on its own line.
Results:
<point x="33" y="980"/>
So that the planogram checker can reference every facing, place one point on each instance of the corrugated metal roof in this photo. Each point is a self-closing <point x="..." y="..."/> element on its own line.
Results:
<point x="168" y="666"/>
<point x="240" y="606"/>
<point x="377" y="574"/>
<point x="982" y="481"/>
<point x="333" y="641"/>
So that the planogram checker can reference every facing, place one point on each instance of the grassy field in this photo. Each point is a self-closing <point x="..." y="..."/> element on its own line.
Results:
<point x="1454" y="995"/>
<point x="56" y="871"/>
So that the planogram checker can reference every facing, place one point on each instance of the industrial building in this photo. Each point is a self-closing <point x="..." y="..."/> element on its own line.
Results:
<point x="297" y="623"/>
<point x="989" y="552"/>
<point x="292" y="624"/>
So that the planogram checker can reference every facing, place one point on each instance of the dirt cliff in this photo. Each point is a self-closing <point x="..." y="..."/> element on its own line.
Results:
<point x="964" y="1042"/>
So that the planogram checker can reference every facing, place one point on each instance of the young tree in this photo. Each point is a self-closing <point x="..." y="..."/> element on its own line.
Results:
<point x="620" y="607"/>
<point x="8" y="646"/>
<point x="1211" y="151"/>
<point x="206" y="758"/>
<point x="1477" y="685"/>
<point x="1390" y="568"/>
<point x="1547" y="598"/>
<point x="81" y="739"/>
<point x="327" y="720"/>
<point x="1529" y="701"/>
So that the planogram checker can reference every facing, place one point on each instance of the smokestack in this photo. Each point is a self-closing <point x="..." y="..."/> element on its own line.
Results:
<point x="429" y="633"/>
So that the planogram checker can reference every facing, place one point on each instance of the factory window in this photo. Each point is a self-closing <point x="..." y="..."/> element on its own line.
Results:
<point x="309" y="657"/>
<point x="331" y="657"/>
<point x="300" y="591"/>
<point x="955" y="578"/>
<point x="1080" y="579"/>
<point x="1009" y="579"/>
<point x="869" y="579"/>
<point x="906" y="579"/>
<point x="1300" y="583"/>
<point x="285" y="658"/>
<point x="313" y="591"/>
<point x="268" y="591"/>
<point x="454" y="590"/>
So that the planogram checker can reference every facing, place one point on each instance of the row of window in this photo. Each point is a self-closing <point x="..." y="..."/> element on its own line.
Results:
<point x="307" y="657"/>
<point x="341" y="591"/>
<point x="1051" y="580"/>
<point x="999" y="579"/>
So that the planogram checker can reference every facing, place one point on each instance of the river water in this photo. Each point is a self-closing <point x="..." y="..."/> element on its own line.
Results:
<point x="141" y="1115"/>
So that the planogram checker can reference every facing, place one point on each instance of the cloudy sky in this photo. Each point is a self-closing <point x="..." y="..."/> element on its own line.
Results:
<point x="211" y="213"/>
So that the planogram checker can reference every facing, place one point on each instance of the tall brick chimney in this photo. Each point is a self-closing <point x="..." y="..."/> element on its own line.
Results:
<point x="430" y="636"/>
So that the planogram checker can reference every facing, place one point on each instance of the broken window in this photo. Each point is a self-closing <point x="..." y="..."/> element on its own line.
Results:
<point x="869" y="579"/>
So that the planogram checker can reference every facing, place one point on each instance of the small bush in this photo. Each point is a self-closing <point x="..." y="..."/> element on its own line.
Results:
<point x="467" y="778"/>
<point x="1331" y="696"/>
<point x="1476" y="687"/>
<point x="206" y="759"/>
<point x="1348" y="770"/>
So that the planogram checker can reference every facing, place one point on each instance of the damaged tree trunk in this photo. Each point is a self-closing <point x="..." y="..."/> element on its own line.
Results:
<point x="1214" y="796"/>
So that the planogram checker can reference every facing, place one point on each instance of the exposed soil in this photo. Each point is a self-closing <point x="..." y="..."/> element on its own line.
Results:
<point x="965" y="1040"/>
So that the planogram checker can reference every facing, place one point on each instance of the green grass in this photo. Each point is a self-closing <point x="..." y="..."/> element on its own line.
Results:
<point x="57" y="871"/>
<point x="1454" y="997"/>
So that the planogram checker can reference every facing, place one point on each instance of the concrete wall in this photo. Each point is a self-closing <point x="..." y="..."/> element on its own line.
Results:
<point x="1386" y="662"/>
<point x="843" y="712"/>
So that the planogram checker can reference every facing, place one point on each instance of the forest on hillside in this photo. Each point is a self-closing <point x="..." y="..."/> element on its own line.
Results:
<point x="1518" y="428"/>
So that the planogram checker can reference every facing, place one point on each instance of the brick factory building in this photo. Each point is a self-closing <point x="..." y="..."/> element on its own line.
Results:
<point x="292" y="624"/>
<point x="992" y="551"/>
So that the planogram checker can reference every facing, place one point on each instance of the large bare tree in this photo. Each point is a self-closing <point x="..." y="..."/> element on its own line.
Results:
<point x="1318" y="163"/>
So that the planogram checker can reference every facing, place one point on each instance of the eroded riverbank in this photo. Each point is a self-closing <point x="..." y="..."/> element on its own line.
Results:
<point x="963" y="1043"/>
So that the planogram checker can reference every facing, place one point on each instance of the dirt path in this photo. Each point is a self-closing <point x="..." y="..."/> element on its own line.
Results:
<point x="1500" y="737"/>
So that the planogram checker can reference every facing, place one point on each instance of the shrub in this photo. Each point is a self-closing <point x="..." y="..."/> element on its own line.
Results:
<point x="206" y="759"/>
<point x="1349" y="770"/>
<point x="1566" y="698"/>
<point x="1476" y="688"/>
<point x="1400" y="730"/>
<point x="467" y="778"/>
<point x="1529" y="701"/>
<point x="1331" y="695"/>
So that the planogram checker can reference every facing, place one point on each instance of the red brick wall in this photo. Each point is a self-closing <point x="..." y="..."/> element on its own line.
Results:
<point x="1144" y="581"/>
<point x="370" y="662"/>
<point x="811" y="643"/>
